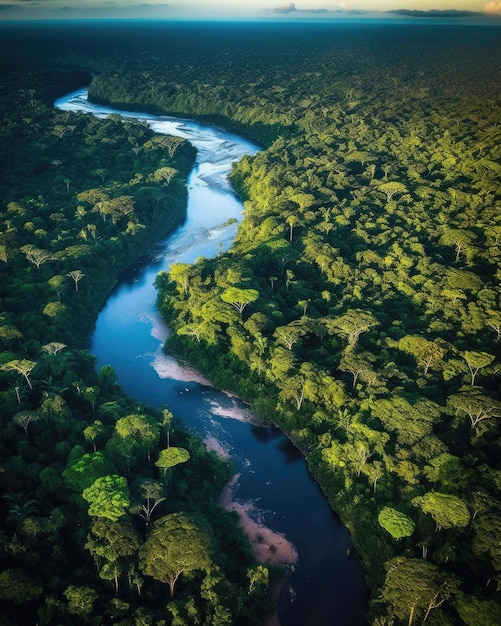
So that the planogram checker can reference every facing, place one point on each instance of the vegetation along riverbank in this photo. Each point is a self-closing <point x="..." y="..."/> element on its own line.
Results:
<point x="94" y="486"/>
<point x="359" y="307"/>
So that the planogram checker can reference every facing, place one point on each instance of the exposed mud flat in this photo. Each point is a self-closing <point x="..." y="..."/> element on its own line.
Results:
<point x="212" y="443"/>
<point x="167" y="367"/>
<point x="267" y="545"/>
<point x="235" y="411"/>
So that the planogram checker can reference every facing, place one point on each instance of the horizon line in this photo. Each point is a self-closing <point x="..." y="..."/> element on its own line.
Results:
<point x="395" y="15"/>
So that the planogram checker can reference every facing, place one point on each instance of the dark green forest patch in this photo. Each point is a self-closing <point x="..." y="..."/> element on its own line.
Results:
<point x="359" y="307"/>
<point x="92" y="483"/>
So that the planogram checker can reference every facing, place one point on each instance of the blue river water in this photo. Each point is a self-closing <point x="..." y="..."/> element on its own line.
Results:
<point x="286" y="516"/>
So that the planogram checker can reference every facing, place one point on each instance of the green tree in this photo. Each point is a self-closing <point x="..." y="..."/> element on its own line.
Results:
<point x="239" y="298"/>
<point x="21" y="366"/>
<point x="77" y="276"/>
<point x="428" y="354"/>
<point x="81" y="474"/>
<point x="35" y="255"/>
<point x="494" y="321"/>
<point x="9" y="333"/>
<point x="462" y="240"/>
<point x="164" y="174"/>
<point x="258" y="576"/>
<point x="170" y="457"/>
<point x="108" y="497"/>
<point x="18" y="586"/>
<point x="179" y="543"/>
<point x="53" y="347"/>
<point x="141" y="430"/>
<point x="151" y="494"/>
<point x="292" y="220"/>
<point x="24" y="419"/>
<point x="357" y="364"/>
<point x="487" y="539"/>
<point x="476" y="361"/>
<point x="54" y="309"/>
<point x="180" y="274"/>
<point x="113" y="544"/>
<point x="414" y="587"/>
<point x="290" y="334"/>
<point x="476" y="405"/>
<point x="391" y="189"/>
<point x="352" y="324"/>
<point x="57" y="284"/>
<point x="447" y="510"/>
<point x="167" y="418"/>
<point x="80" y="600"/>
<point x="476" y="612"/>
<point x="395" y="522"/>
<point x="117" y="208"/>
<point x="93" y="431"/>
<point x="411" y="419"/>
<point x="21" y="506"/>
<point x="446" y="470"/>
<point x="91" y="394"/>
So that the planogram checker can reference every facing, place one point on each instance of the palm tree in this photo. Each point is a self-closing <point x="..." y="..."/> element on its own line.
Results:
<point x="22" y="506"/>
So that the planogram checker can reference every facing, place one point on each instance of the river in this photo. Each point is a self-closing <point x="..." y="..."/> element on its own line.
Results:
<point x="282" y="508"/>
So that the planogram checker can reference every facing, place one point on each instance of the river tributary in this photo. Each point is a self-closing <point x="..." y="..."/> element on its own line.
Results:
<point x="282" y="508"/>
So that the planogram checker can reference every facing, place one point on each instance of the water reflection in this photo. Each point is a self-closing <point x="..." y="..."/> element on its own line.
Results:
<point x="291" y="453"/>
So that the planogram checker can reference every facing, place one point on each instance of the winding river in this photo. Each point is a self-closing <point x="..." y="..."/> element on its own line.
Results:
<point x="282" y="509"/>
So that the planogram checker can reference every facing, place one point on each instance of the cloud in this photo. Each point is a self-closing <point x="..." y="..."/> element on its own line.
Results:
<point x="493" y="8"/>
<point x="285" y="8"/>
<point x="437" y="13"/>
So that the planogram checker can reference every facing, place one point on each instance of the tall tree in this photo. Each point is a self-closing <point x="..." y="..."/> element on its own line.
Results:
<point x="142" y="431"/>
<point x="35" y="255"/>
<point x="21" y="366"/>
<point x="180" y="274"/>
<point x="170" y="457"/>
<point x="414" y="587"/>
<point x="150" y="494"/>
<point x="92" y="432"/>
<point x="25" y="418"/>
<point x="82" y="473"/>
<point x="447" y="510"/>
<point x="113" y="543"/>
<point x="77" y="276"/>
<point x="476" y="361"/>
<point x="395" y="522"/>
<point x="476" y="405"/>
<point x="462" y="240"/>
<point x="179" y="543"/>
<point x="80" y="600"/>
<point x="352" y="324"/>
<point x="108" y="497"/>
<point x="391" y="189"/>
<point x="428" y="354"/>
<point x="239" y="298"/>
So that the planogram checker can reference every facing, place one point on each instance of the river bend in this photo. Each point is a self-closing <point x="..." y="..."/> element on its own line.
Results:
<point x="282" y="509"/>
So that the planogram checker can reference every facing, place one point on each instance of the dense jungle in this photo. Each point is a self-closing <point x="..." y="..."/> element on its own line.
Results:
<point x="358" y="309"/>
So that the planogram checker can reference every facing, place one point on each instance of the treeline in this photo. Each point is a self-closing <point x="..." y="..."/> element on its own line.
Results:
<point x="108" y="510"/>
<point x="360" y="305"/>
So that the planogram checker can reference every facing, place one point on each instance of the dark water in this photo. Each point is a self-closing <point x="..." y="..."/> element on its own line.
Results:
<point x="273" y="491"/>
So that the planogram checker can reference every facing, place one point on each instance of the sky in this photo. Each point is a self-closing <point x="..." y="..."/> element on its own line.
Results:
<point x="230" y="9"/>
